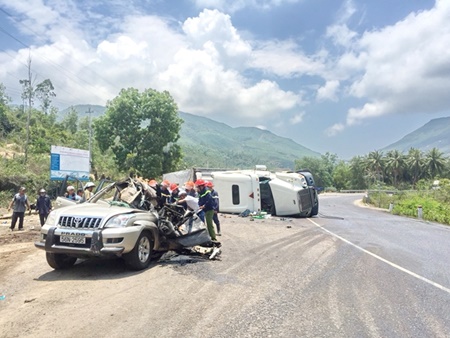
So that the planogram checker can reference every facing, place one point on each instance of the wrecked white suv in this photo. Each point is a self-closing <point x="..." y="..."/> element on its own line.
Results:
<point x="118" y="221"/>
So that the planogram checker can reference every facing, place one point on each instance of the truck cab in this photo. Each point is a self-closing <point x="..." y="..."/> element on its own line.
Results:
<point x="280" y="193"/>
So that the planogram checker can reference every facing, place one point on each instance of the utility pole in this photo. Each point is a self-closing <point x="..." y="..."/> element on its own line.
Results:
<point x="90" y="138"/>
<point x="30" y="101"/>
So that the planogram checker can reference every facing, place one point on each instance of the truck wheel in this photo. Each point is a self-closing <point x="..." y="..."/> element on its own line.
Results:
<point x="60" y="261"/>
<point x="315" y="209"/>
<point x="139" y="258"/>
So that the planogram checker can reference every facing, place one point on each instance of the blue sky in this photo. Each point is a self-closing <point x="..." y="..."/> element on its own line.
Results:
<point x="345" y="77"/>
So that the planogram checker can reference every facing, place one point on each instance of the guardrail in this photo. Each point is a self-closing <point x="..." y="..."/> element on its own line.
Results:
<point x="352" y="191"/>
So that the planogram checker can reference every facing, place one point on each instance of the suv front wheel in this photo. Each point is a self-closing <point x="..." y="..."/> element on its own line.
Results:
<point x="139" y="258"/>
<point x="60" y="261"/>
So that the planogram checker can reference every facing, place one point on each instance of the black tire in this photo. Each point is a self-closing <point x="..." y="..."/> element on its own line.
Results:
<point x="315" y="209"/>
<point x="139" y="258"/>
<point x="60" y="261"/>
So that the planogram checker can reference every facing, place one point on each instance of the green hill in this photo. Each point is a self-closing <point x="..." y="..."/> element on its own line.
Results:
<point x="434" y="134"/>
<point x="207" y="143"/>
<point x="82" y="110"/>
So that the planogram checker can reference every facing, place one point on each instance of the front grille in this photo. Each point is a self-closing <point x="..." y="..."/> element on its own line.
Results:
<point x="305" y="199"/>
<point x="79" y="222"/>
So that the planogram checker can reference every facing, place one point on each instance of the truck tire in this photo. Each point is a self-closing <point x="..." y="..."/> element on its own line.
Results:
<point x="139" y="258"/>
<point x="315" y="209"/>
<point x="60" y="261"/>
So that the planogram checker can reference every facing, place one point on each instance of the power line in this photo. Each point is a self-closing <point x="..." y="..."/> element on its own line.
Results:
<point x="13" y="37"/>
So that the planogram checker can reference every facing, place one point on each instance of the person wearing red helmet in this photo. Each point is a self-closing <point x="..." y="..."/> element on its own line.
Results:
<point x="206" y="203"/>
<point x="189" y="186"/>
<point x="174" y="193"/>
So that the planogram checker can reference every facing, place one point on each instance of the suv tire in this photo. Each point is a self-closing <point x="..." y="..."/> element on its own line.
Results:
<point x="60" y="261"/>
<point x="139" y="258"/>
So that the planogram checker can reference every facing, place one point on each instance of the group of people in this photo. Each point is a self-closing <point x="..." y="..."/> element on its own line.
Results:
<point x="20" y="203"/>
<point x="198" y="196"/>
<point x="81" y="195"/>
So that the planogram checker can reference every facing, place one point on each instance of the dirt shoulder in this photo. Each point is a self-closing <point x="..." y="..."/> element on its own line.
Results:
<point x="16" y="244"/>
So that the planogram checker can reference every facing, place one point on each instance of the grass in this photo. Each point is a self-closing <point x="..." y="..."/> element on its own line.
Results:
<point x="434" y="204"/>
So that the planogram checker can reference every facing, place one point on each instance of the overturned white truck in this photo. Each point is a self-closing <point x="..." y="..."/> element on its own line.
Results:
<point x="277" y="193"/>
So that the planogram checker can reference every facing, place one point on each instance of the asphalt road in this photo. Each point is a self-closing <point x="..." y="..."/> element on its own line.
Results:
<point x="350" y="272"/>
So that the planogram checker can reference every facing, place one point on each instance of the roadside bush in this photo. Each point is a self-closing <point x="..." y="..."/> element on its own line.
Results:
<point x="435" y="207"/>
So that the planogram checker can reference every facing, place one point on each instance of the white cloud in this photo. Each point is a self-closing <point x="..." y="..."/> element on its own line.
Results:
<point x="403" y="68"/>
<point x="347" y="10"/>
<point x="341" y="35"/>
<point x="199" y="64"/>
<point x="296" y="119"/>
<point x="334" y="129"/>
<point x="283" y="58"/>
<point x="339" y="32"/>
<point x="232" y="6"/>
<point x="213" y="30"/>
<point x="328" y="91"/>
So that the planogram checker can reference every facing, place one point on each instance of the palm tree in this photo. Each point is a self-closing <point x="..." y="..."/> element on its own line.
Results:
<point x="435" y="162"/>
<point x="395" y="164"/>
<point x="375" y="164"/>
<point x="415" y="163"/>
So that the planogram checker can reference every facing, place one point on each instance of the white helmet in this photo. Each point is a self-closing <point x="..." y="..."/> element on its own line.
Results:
<point x="88" y="185"/>
<point x="70" y="187"/>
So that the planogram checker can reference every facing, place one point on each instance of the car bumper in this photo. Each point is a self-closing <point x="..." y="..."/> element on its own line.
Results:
<point x="105" y="242"/>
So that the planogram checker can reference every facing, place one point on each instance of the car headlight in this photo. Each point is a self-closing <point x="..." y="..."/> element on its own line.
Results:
<point x="118" y="221"/>
<point x="51" y="219"/>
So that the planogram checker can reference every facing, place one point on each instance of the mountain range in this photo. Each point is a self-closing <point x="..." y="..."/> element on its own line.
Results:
<point x="434" y="134"/>
<point x="208" y="143"/>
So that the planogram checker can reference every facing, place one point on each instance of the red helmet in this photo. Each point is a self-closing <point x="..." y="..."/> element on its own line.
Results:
<point x="200" y="182"/>
<point x="173" y="186"/>
<point x="209" y="184"/>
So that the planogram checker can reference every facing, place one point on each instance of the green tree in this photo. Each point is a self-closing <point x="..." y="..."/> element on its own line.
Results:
<point x="44" y="92"/>
<point x="415" y="165"/>
<point x="375" y="165"/>
<point x="434" y="162"/>
<point x="395" y="164"/>
<point x="322" y="168"/>
<point x="141" y="129"/>
<point x="358" y="173"/>
<point x="6" y="126"/>
<point x="70" y="121"/>
<point x="342" y="176"/>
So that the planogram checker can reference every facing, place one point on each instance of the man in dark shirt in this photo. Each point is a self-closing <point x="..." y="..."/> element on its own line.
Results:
<point x="206" y="203"/>
<point x="43" y="206"/>
<point x="19" y="204"/>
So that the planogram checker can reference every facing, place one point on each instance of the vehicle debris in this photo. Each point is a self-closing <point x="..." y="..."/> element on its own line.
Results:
<point x="121" y="220"/>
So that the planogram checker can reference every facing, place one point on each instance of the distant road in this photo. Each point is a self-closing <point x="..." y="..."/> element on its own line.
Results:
<point x="350" y="272"/>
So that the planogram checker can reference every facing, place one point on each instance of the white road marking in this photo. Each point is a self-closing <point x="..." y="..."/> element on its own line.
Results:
<point x="426" y="280"/>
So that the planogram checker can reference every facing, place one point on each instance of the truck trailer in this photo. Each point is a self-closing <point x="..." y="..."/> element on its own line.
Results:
<point x="283" y="193"/>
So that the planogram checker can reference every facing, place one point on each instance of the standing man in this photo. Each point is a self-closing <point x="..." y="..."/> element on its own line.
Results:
<point x="206" y="203"/>
<point x="215" y="196"/>
<point x="19" y="204"/>
<point x="43" y="206"/>
<point x="174" y="191"/>
<point x="165" y="193"/>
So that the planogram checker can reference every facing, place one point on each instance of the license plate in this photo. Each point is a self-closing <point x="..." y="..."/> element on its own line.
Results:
<point x="73" y="239"/>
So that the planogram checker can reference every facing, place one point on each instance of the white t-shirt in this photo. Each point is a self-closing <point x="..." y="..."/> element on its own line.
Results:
<point x="192" y="202"/>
